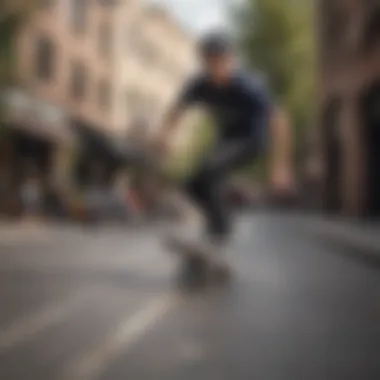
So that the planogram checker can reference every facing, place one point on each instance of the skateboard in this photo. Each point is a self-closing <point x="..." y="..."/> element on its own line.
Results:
<point x="198" y="259"/>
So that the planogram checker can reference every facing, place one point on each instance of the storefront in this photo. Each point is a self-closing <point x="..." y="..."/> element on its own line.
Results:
<point x="35" y="144"/>
<point x="99" y="158"/>
<point x="370" y="117"/>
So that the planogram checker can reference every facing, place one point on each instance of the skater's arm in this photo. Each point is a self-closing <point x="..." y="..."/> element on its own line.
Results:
<point x="268" y="112"/>
<point x="191" y="94"/>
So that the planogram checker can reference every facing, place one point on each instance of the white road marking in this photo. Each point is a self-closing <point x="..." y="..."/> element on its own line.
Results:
<point x="25" y="328"/>
<point x="98" y="257"/>
<point x="132" y="329"/>
<point x="141" y="263"/>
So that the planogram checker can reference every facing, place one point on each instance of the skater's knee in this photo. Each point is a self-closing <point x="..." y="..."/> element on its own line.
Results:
<point x="198" y="187"/>
<point x="220" y="229"/>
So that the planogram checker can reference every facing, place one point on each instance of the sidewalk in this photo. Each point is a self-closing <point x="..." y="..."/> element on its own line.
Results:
<point x="359" y="237"/>
<point x="22" y="232"/>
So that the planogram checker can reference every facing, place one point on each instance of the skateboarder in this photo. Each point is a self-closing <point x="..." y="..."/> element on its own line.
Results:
<point x="245" y="118"/>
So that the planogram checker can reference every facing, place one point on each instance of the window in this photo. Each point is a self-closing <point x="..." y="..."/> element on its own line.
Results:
<point x="371" y="35"/>
<point x="45" y="58"/>
<point x="78" y="84"/>
<point x="105" y="39"/>
<point x="104" y="95"/>
<point x="47" y="3"/>
<point x="108" y="3"/>
<point x="78" y="15"/>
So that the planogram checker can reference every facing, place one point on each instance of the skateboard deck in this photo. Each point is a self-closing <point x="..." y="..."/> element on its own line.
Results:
<point x="198" y="256"/>
<point x="188" y="250"/>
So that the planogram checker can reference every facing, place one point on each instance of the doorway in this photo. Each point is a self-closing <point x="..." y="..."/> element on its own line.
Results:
<point x="31" y="152"/>
<point x="333" y="156"/>
<point x="370" y="109"/>
<point x="27" y="156"/>
<point x="371" y="35"/>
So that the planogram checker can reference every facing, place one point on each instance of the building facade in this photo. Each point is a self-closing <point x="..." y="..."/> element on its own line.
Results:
<point x="94" y="64"/>
<point x="349" y="123"/>
<point x="159" y="57"/>
<point x="105" y="63"/>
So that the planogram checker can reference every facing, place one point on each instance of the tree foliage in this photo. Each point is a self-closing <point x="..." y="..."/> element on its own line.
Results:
<point x="184" y="160"/>
<point x="278" y="39"/>
<point x="13" y="13"/>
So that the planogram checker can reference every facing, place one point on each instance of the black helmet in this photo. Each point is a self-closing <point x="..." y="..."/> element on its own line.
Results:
<point x="215" y="44"/>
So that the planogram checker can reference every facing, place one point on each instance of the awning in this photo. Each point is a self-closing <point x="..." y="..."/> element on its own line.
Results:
<point x="36" y="116"/>
<point x="42" y="131"/>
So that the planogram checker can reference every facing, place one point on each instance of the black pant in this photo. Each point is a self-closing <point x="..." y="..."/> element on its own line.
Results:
<point x="206" y="186"/>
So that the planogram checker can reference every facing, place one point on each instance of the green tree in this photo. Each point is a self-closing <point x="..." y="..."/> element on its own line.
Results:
<point x="184" y="160"/>
<point x="278" y="39"/>
<point x="13" y="13"/>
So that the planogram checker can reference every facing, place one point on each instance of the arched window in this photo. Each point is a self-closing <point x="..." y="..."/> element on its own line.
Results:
<point x="371" y="34"/>
<point x="45" y="58"/>
<point x="78" y="80"/>
<point x="105" y="39"/>
<point x="78" y="15"/>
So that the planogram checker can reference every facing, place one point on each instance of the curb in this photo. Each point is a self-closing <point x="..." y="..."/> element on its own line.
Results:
<point x="19" y="233"/>
<point x="356" y="241"/>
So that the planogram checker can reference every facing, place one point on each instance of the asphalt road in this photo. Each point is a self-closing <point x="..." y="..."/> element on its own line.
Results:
<point x="81" y="305"/>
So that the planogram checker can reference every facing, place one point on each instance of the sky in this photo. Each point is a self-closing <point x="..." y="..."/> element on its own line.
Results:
<point x="199" y="15"/>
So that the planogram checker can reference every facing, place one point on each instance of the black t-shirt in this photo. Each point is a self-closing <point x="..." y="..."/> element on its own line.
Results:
<point x="239" y="108"/>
